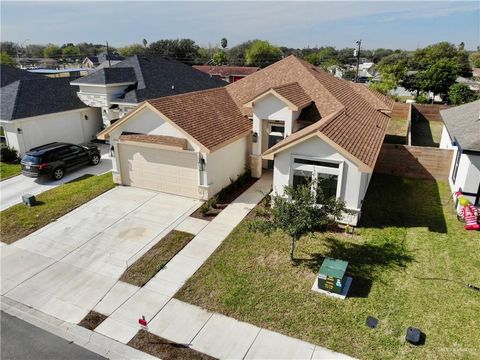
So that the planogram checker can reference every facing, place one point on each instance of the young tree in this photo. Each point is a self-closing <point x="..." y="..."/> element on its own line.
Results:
<point x="262" y="53"/>
<point x="6" y="59"/>
<point x="297" y="212"/>
<point x="460" y="94"/>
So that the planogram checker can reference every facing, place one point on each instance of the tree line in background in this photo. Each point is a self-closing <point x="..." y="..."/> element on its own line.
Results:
<point x="433" y="68"/>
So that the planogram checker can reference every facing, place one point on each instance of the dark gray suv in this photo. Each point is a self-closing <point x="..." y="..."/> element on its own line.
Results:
<point x="56" y="158"/>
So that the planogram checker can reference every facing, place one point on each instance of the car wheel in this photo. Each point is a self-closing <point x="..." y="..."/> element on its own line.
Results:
<point x="95" y="159"/>
<point x="58" y="174"/>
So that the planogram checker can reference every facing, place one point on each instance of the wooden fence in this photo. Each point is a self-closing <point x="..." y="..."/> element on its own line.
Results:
<point x="430" y="112"/>
<point x="400" y="110"/>
<point x="414" y="162"/>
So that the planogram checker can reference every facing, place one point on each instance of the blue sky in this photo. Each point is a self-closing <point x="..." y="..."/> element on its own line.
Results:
<point x="387" y="24"/>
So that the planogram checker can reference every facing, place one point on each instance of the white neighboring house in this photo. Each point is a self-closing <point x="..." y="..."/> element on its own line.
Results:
<point x="39" y="111"/>
<point x="461" y="133"/>
<point x="116" y="90"/>
<point x="291" y="117"/>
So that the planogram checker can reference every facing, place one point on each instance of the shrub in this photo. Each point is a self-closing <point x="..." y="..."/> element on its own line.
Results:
<point x="8" y="154"/>
<point x="209" y="205"/>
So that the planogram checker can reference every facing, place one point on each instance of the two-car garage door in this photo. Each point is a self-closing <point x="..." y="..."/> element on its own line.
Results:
<point x="159" y="169"/>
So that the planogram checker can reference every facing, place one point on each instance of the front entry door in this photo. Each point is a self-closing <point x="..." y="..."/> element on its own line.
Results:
<point x="275" y="135"/>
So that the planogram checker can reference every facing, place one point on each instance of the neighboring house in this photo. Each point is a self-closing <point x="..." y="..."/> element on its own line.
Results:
<point x="43" y="110"/>
<point x="291" y="117"/>
<point x="229" y="74"/>
<point x="10" y="74"/>
<point x="118" y="89"/>
<point x="471" y="83"/>
<point x="93" y="61"/>
<point x="337" y="71"/>
<point x="462" y="134"/>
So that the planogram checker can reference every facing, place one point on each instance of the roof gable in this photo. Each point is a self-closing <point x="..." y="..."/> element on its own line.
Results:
<point x="292" y="94"/>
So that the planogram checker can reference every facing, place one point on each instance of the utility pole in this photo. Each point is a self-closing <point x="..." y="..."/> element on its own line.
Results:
<point x="359" y="44"/>
<point x="108" y="56"/>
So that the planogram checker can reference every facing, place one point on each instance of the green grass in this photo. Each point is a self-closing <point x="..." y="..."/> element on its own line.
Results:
<point x="145" y="268"/>
<point x="9" y="170"/>
<point x="397" y="131"/>
<point x="409" y="260"/>
<point x="19" y="220"/>
<point x="426" y="133"/>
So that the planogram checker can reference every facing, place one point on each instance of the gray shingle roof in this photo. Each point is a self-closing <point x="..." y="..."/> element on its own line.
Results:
<point x="108" y="75"/>
<point x="156" y="77"/>
<point x="10" y="74"/>
<point x="463" y="124"/>
<point x="27" y="98"/>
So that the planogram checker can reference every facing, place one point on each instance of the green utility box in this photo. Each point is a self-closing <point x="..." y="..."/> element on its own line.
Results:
<point x="331" y="276"/>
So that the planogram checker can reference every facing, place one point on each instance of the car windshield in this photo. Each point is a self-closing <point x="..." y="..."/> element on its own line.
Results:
<point x="31" y="159"/>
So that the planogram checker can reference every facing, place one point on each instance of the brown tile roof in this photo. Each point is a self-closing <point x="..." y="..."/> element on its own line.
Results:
<point x="294" y="93"/>
<point x="156" y="139"/>
<point x="225" y="70"/>
<point x="211" y="117"/>
<point x="378" y="100"/>
<point x="359" y="128"/>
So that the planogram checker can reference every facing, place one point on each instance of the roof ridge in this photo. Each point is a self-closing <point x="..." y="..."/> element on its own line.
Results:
<point x="188" y="94"/>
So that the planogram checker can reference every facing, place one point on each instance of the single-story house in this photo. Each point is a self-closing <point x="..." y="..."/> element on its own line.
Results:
<point x="227" y="73"/>
<point x="461" y="133"/>
<point x="290" y="117"/>
<point x="43" y="110"/>
<point x="118" y="89"/>
<point x="92" y="62"/>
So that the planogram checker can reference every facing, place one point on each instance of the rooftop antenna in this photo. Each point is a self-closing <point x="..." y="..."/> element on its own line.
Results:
<point x="357" y="54"/>
<point x="108" y="56"/>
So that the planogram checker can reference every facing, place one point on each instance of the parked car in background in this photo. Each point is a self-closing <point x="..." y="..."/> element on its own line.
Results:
<point x="56" y="158"/>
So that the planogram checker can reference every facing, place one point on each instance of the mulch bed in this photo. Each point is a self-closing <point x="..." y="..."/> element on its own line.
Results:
<point x="92" y="320"/>
<point x="164" y="349"/>
<point x="224" y="201"/>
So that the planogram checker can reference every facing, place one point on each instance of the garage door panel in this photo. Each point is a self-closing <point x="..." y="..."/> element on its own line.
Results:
<point x="159" y="169"/>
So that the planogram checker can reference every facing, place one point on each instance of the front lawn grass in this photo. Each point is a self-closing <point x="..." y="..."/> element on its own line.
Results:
<point x="19" y="220"/>
<point x="9" y="170"/>
<point x="410" y="261"/>
<point x="145" y="268"/>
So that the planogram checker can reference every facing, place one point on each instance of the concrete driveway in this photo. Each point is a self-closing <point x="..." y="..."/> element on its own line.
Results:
<point x="11" y="190"/>
<point x="67" y="267"/>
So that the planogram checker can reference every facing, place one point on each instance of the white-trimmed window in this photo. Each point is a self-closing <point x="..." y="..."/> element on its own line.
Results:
<point x="324" y="174"/>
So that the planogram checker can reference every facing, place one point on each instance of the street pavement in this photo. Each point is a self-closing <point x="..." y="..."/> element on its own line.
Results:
<point x="11" y="190"/>
<point x="21" y="340"/>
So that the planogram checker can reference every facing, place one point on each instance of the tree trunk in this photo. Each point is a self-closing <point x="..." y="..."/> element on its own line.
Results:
<point x="292" y="248"/>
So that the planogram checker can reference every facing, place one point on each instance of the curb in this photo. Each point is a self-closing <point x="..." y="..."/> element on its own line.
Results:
<point x="85" y="338"/>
